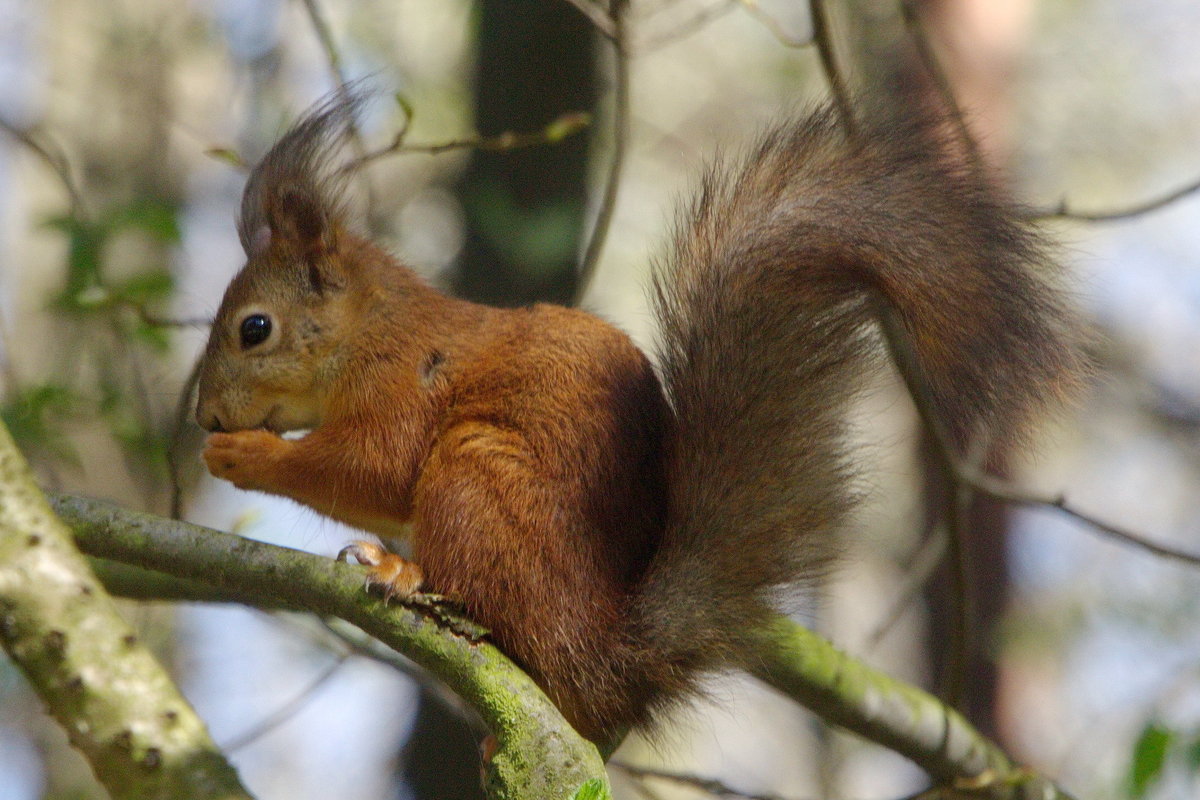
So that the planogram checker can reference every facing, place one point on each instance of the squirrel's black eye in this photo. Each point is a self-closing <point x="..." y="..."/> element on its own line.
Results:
<point x="255" y="329"/>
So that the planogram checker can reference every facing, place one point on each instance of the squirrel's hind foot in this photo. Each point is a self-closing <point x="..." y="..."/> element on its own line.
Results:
<point x="396" y="576"/>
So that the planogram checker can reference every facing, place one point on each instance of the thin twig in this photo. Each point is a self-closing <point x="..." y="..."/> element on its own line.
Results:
<point x="648" y="10"/>
<point x="1064" y="211"/>
<point x="981" y="482"/>
<point x="957" y="502"/>
<point x="929" y="60"/>
<point x="837" y="86"/>
<point x="57" y="163"/>
<point x="961" y="640"/>
<point x="929" y="554"/>
<point x="600" y="19"/>
<point x="286" y="711"/>
<point x="999" y="490"/>
<point x="698" y="21"/>
<point x="710" y="785"/>
<point x="772" y="25"/>
<point x="565" y="125"/>
<point x="156" y="321"/>
<point x="333" y="58"/>
<point x="620" y="134"/>
<point x="368" y="647"/>
<point x="179" y="424"/>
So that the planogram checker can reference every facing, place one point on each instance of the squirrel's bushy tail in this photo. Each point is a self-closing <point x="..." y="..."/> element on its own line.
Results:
<point x="765" y="307"/>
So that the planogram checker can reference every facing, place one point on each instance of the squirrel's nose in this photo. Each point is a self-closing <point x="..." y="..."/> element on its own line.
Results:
<point x="209" y="420"/>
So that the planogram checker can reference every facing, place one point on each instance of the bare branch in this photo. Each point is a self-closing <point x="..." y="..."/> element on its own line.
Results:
<point x="965" y="474"/>
<point x="56" y="161"/>
<point x="898" y="716"/>
<point x="921" y="568"/>
<point x="823" y="38"/>
<point x="1000" y="490"/>
<point x="620" y="134"/>
<point x="715" y="11"/>
<point x="772" y="25"/>
<point x="180" y="420"/>
<point x="697" y="22"/>
<point x="1064" y="211"/>
<point x="600" y="19"/>
<point x="560" y="128"/>
<point x="920" y="39"/>
<point x="709" y="785"/>
<point x="333" y="58"/>
<point x="155" y="321"/>
<point x="286" y="711"/>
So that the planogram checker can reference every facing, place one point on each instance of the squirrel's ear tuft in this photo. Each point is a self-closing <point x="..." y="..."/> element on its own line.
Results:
<point x="296" y="191"/>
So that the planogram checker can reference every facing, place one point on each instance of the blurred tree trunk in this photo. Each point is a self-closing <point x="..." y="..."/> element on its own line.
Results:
<point x="976" y="44"/>
<point x="525" y="208"/>
<point x="524" y="211"/>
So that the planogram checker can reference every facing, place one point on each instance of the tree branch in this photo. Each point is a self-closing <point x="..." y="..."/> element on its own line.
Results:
<point x="823" y="38"/>
<point x="620" y="133"/>
<point x="920" y="39"/>
<point x="963" y="474"/>
<point x="794" y="660"/>
<point x="115" y="701"/>
<point x="894" y="714"/>
<point x="1064" y="210"/>
<point x="523" y="719"/>
<point x="57" y="162"/>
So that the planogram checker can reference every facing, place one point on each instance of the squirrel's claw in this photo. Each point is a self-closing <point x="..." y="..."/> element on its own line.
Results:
<point x="398" y="577"/>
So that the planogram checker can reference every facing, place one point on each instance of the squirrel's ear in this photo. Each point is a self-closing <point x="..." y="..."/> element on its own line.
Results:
<point x="259" y="242"/>
<point x="301" y="218"/>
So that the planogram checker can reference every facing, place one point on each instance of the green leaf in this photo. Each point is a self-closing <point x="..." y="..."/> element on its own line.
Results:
<point x="567" y="125"/>
<point x="155" y="218"/>
<point x="85" y="247"/>
<point x="405" y="105"/>
<point x="155" y="337"/>
<point x="1149" y="758"/>
<point x="33" y="416"/>
<point x="149" y="286"/>
<point x="1191" y="754"/>
<point x="595" y="789"/>
<point x="228" y="155"/>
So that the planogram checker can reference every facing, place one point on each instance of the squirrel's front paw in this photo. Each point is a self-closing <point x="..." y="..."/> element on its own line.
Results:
<point x="398" y="577"/>
<point x="247" y="459"/>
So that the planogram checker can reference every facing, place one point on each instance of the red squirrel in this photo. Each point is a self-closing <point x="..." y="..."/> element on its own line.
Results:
<point x="620" y="529"/>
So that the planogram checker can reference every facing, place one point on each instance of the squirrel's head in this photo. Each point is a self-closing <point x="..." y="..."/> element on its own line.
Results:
<point x="276" y="340"/>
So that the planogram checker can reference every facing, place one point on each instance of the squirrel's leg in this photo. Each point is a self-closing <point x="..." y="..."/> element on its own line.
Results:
<point x="368" y="489"/>
<point x="396" y="575"/>
<point x="261" y="461"/>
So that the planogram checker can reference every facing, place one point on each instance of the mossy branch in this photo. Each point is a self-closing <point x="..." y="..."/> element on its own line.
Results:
<point x="539" y="755"/>
<point x="117" y="704"/>
<point x="538" y="749"/>
<point x="892" y="713"/>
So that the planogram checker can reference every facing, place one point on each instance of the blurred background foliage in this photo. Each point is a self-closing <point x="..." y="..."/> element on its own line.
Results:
<point x="124" y="125"/>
